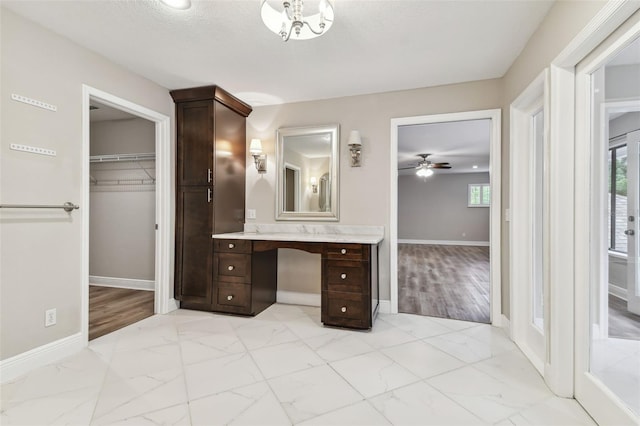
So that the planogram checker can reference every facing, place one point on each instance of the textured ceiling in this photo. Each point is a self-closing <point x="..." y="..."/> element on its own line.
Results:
<point x="374" y="45"/>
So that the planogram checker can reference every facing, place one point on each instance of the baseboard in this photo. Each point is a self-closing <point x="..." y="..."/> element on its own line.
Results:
<point x="505" y="324"/>
<point x="148" y="285"/>
<point x="618" y="291"/>
<point x="446" y="243"/>
<point x="384" y="307"/>
<point x="172" y="305"/>
<point x="296" y="298"/>
<point x="25" y="362"/>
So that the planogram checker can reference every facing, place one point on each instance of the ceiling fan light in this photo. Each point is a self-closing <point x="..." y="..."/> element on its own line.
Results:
<point x="424" y="172"/>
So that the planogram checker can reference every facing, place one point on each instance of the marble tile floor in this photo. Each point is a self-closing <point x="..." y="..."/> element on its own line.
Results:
<point x="283" y="367"/>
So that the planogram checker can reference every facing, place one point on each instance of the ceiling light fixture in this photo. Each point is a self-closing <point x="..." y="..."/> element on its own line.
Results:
<point x="292" y="22"/>
<point x="177" y="4"/>
<point x="424" y="172"/>
<point x="475" y="166"/>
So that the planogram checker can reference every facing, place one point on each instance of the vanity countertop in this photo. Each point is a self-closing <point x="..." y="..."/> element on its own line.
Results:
<point x="308" y="233"/>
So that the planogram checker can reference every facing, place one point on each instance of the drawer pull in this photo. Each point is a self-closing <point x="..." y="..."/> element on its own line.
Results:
<point x="231" y="245"/>
<point x="230" y="297"/>
<point x="343" y="251"/>
<point x="343" y="276"/>
<point x="231" y="267"/>
<point x="343" y="309"/>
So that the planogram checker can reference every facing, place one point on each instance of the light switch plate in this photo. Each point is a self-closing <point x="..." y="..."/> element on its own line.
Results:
<point x="251" y="213"/>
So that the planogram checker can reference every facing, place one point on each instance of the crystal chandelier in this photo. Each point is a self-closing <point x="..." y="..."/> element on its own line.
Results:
<point x="290" y="22"/>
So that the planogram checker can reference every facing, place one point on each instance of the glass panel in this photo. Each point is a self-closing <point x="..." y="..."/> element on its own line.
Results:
<point x="474" y="195"/>
<point x="486" y="195"/>
<point x="537" y="297"/>
<point x="615" y="330"/>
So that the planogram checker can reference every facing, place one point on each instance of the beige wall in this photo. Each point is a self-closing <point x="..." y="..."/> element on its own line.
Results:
<point x="364" y="191"/>
<point x="436" y="208"/>
<point x="563" y="22"/>
<point x="121" y="229"/>
<point x="41" y="251"/>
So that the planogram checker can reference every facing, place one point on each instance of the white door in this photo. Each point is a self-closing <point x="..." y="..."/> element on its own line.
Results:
<point x="633" y="228"/>
<point x="607" y="367"/>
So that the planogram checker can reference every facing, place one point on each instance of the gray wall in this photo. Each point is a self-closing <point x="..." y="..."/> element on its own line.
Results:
<point x="122" y="217"/>
<point x="436" y="208"/>
<point x="40" y="256"/>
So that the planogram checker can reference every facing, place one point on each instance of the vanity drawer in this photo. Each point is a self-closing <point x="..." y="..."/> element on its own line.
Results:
<point x="347" y="276"/>
<point x="347" y="251"/>
<point x="230" y="265"/>
<point x="232" y="246"/>
<point x="235" y="295"/>
<point x="346" y="309"/>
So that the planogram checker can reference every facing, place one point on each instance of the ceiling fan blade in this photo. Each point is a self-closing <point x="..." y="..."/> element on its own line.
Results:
<point x="406" y="168"/>
<point x="440" y="166"/>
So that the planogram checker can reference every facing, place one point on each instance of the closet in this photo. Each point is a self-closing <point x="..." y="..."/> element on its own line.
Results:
<point x="122" y="220"/>
<point x="210" y="193"/>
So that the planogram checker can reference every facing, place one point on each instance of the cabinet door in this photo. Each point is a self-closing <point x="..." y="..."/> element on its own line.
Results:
<point x="230" y="161"/>
<point x="194" y="246"/>
<point x="195" y="143"/>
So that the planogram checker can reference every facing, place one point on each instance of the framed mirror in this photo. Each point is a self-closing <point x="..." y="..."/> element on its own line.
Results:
<point x="307" y="186"/>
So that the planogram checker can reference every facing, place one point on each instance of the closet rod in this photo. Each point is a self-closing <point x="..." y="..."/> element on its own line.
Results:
<point x="68" y="206"/>
<point x="121" y="157"/>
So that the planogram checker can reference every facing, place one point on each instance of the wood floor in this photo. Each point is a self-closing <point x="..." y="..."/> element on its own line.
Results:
<point x="111" y="309"/>
<point x="444" y="281"/>
<point x="622" y="323"/>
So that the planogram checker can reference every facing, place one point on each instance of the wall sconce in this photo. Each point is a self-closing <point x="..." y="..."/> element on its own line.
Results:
<point x="258" y="157"/>
<point x="355" y="147"/>
<point x="314" y="185"/>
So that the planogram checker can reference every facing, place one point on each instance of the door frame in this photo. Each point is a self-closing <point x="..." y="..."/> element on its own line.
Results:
<point x="163" y="301"/>
<point x="495" y="209"/>
<point x="521" y="232"/>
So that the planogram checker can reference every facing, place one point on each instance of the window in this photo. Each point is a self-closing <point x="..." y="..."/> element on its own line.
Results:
<point x="618" y="198"/>
<point x="479" y="195"/>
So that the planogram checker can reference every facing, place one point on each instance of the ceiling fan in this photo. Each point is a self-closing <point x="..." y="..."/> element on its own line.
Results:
<point x="424" y="168"/>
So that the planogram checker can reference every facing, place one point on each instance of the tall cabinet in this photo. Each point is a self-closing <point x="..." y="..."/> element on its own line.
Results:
<point x="210" y="196"/>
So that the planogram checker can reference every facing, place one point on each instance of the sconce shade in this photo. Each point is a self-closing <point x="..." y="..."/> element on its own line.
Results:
<point x="255" y="147"/>
<point x="313" y="181"/>
<point x="354" y="138"/>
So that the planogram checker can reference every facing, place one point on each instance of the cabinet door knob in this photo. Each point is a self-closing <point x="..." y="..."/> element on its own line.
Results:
<point x="343" y="276"/>
<point x="343" y="309"/>
<point x="231" y="267"/>
<point x="343" y="251"/>
<point x="230" y="297"/>
<point x="231" y="245"/>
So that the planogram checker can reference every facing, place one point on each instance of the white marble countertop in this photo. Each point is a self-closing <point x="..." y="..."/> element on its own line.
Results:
<point x="308" y="233"/>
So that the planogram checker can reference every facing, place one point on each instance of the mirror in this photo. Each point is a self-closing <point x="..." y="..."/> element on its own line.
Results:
<point x="307" y="187"/>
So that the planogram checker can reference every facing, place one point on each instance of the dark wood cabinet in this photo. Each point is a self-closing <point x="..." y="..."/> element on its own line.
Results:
<point x="211" y="158"/>
<point x="346" y="286"/>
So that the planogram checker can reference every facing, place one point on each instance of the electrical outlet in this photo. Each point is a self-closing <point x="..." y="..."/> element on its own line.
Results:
<point x="50" y="317"/>
<point x="251" y="213"/>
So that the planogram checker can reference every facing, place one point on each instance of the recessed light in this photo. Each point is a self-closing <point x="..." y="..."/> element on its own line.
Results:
<point x="178" y="4"/>
<point x="475" y="166"/>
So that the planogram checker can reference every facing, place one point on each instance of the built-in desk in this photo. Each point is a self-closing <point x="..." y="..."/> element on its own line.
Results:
<point x="245" y="272"/>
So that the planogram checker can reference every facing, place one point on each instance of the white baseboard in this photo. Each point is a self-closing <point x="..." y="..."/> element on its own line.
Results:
<point x="446" y="242"/>
<point x="505" y="323"/>
<point x="148" y="285"/>
<point x="618" y="291"/>
<point x="25" y="362"/>
<point x="172" y="305"/>
<point x="296" y="298"/>
<point x="384" y="307"/>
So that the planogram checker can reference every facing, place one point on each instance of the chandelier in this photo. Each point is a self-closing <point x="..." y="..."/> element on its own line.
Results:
<point x="290" y="22"/>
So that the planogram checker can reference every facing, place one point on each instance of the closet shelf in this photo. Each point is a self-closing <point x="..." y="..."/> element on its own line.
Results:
<point x="112" y="158"/>
<point x="105" y="169"/>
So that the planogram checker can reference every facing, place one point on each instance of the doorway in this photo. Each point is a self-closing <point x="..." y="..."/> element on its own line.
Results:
<point x="607" y="371"/>
<point x="444" y="201"/>
<point x="160" y="220"/>
<point x="122" y="219"/>
<point x="493" y="195"/>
